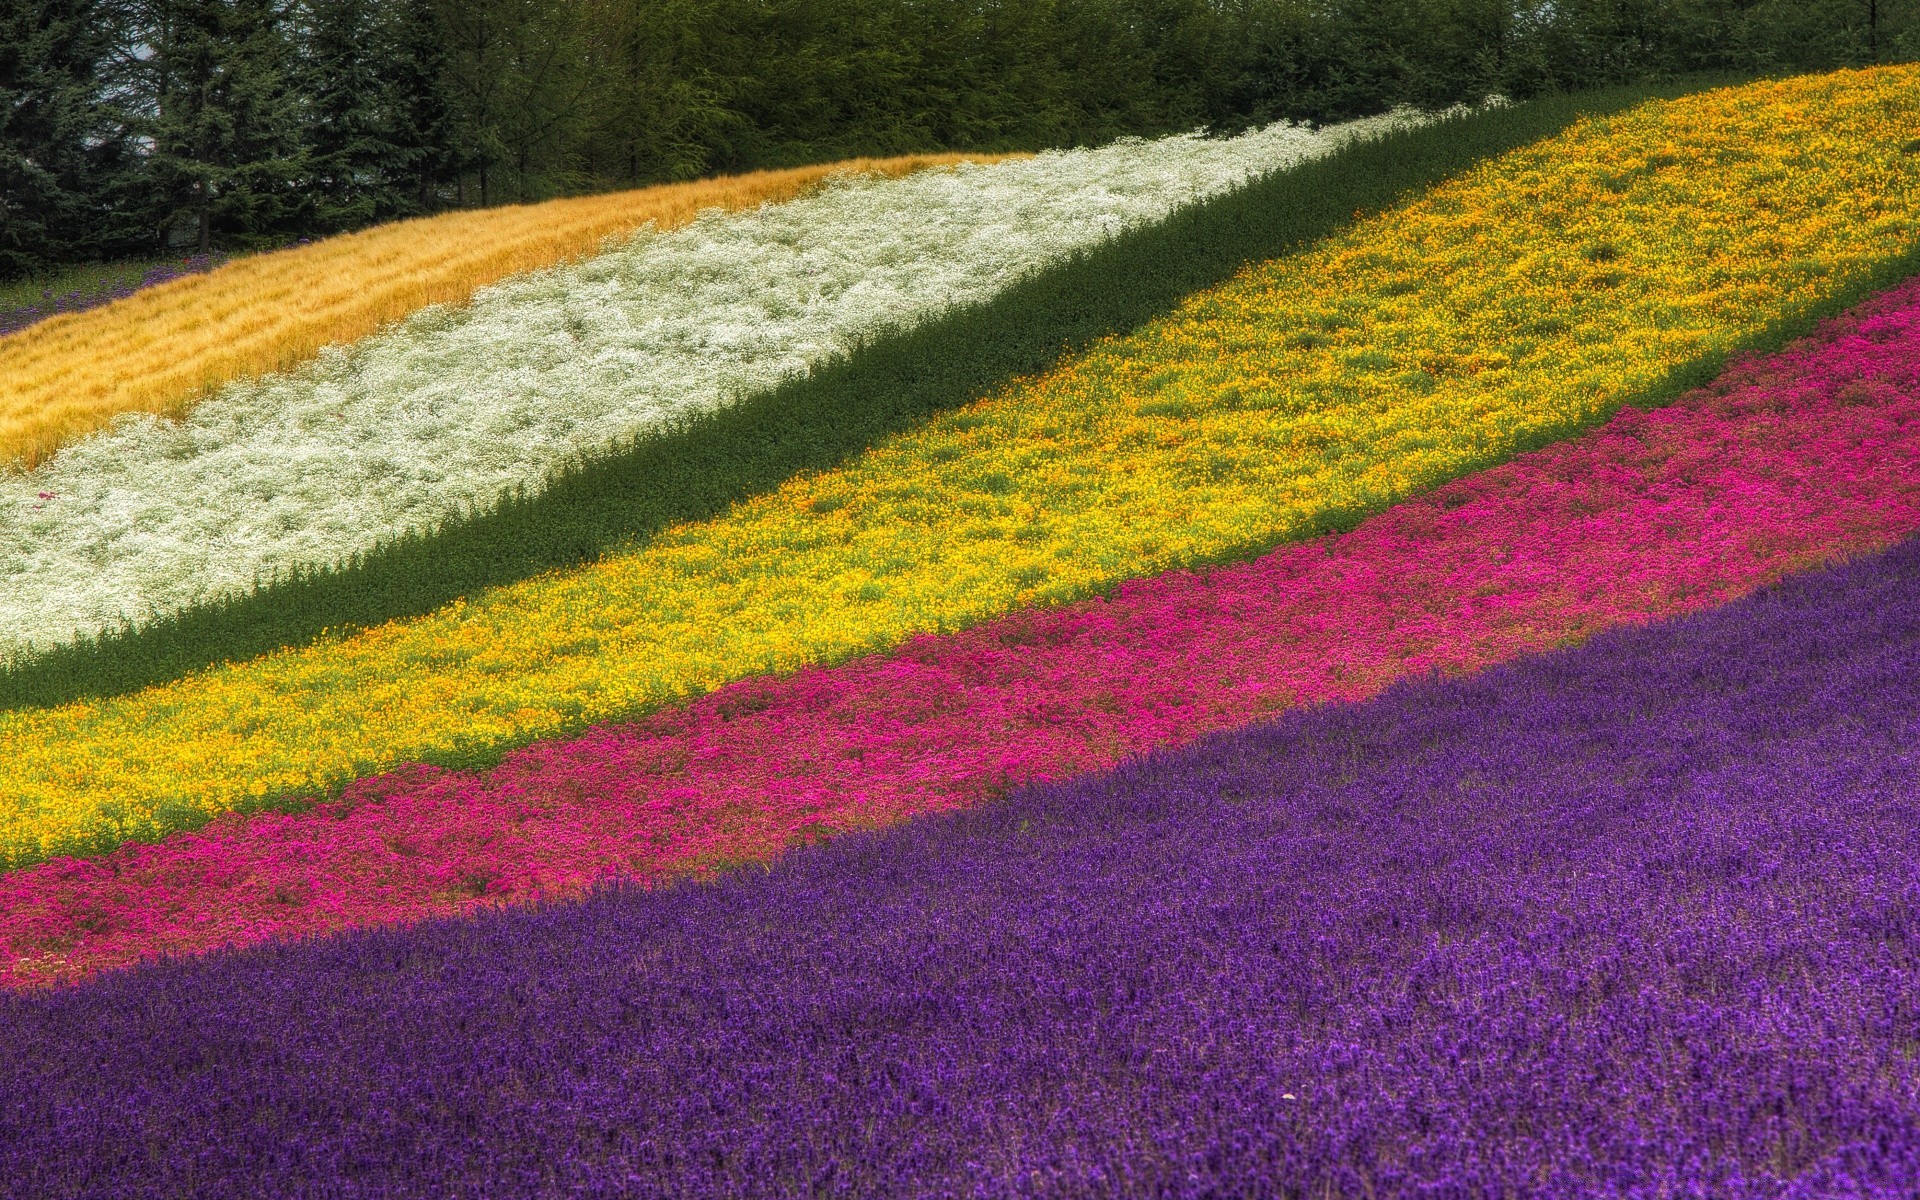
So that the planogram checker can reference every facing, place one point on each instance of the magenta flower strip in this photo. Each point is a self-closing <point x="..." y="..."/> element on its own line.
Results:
<point x="1810" y="454"/>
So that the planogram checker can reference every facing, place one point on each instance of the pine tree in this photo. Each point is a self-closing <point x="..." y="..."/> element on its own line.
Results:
<point x="66" y="155"/>
<point x="225" y="121"/>
<point x="523" y="74"/>
<point x="349" y="152"/>
<point x="427" y="135"/>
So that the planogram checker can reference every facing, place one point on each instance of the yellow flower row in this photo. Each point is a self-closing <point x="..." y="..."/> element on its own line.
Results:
<point x="164" y="347"/>
<point x="1515" y="303"/>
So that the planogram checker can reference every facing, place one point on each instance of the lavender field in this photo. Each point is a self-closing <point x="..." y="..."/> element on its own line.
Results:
<point x="1633" y="919"/>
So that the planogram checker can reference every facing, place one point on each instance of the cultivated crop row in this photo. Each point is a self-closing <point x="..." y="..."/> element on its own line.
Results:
<point x="1503" y="310"/>
<point x="443" y="414"/>
<point x="164" y="348"/>
<point x="1790" y="460"/>
<point x="1627" y="920"/>
<point x="886" y="385"/>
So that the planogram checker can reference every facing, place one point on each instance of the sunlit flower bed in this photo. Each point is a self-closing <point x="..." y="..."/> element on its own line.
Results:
<point x="1431" y="715"/>
<point x="163" y="348"/>
<point x="447" y="411"/>
<point x="1630" y="920"/>
<point x="1788" y="461"/>
<point x="1511" y="307"/>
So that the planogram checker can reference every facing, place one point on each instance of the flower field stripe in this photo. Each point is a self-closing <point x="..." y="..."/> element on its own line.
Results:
<point x="1627" y="920"/>
<point x="1506" y="309"/>
<point x="163" y="348"/>
<point x="448" y="411"/>
<point x="93" y="287"/>
<point x="1811" y="454"/>
<point x="700" y="466"/>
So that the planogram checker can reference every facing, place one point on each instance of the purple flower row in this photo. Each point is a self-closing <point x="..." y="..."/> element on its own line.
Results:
<point x="1634" y="919"/>
<point x="87" y="296"/>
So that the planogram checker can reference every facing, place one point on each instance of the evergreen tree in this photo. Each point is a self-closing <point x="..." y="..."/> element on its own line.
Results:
<point x="428" y="141"/>
<point x="129" y="122"/>
<point x="351" y="158"/>
<point x="478" y="37"/>
<point x="66" y="158"/>
<point x="228" y="151"/>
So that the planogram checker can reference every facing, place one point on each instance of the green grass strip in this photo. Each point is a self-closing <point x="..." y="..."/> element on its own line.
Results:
<point x="838" y="411"/>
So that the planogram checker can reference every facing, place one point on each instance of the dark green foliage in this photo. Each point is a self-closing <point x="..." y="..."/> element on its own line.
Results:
<point x="64" y="145"/>
<point x="226" y="122"/>
<point x="812" y="423"/>
<point x="426" y="139"/>
<point x="524" y="74"/>
<point x="383" y="129"/>
<point x="286" y="118"/>
<point x="351" y="159"/>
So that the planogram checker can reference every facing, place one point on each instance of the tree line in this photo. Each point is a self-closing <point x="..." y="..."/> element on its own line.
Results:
<point x="135" y="127"/>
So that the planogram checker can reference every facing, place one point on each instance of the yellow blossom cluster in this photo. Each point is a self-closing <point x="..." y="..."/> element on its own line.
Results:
<point x="1514" y="304"/>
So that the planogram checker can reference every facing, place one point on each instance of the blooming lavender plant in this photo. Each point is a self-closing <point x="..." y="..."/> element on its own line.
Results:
<point x="94" y="295"/>
<point x="1635" y="919"/>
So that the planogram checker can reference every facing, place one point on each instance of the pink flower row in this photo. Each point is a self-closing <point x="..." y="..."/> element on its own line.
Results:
<point x="1788" y="461"/>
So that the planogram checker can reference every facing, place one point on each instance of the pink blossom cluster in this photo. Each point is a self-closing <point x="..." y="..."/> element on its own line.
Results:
<point x="1788" y="461"/>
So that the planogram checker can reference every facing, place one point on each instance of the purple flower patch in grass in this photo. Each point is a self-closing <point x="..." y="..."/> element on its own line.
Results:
<point x="86" y="296"/>
<point x="1636" y="919"/>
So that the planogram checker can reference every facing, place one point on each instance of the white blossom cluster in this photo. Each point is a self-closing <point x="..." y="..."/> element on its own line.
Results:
<point x="444" y="411"/>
